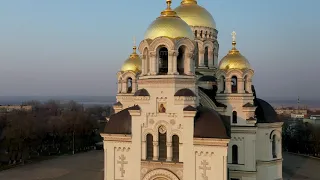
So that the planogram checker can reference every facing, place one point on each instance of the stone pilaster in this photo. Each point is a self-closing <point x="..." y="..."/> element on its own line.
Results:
<point x="144" y="150"/>
<point x="188" y="65"/>
<point x="174" y="60"/>
<point x="240" y="86"/>
<point x="228" y="85"/>
<point x="170" y="62"/>
<point x="144" y="68"/>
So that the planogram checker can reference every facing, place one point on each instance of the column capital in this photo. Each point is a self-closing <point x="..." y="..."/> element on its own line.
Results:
<point x="201" y="51"/>
<point x="155" y="143"/>
<point x="190" y="55"/>
<point x="153" y="54"/>
<point x="169" y="144"/>
<point x="173" y="53"/>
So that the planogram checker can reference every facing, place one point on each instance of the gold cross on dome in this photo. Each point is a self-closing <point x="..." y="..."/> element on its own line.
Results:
<point x="234" y="34"/>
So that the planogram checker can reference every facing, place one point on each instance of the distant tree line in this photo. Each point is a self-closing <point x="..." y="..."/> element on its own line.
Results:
<point x="50" y="128"/>
<point x="300" y="137"/>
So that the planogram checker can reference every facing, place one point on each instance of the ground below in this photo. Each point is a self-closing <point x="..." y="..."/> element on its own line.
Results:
<point x="89" y="165"/>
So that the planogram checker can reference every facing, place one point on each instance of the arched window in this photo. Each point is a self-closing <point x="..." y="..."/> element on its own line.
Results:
<point x="201" y="33"/>
<point x="129" y="85"/>
<point x="234" y="154"/>
<point x="206" y="56"/>
<point x="175" y="148"/>
<point x="163" y="60"/>
<point x="180" y="60"/>
<point x="274" y="147"/>
<point x="195" y="33"/>
<point x="206" y="34"/>
<point x="149" y="147"/>
<point x="223" y="83"/>
<point x="234" y="117"/>
<point x="162" y="144"/>
<point x="234" y="84"/>
<point x="210" y="35"/>
<point x="245" y="84"/>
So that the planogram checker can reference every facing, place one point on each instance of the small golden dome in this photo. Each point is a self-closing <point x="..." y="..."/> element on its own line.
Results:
<point x="195" y="15"/>
<point x="234" y="59"/>
<point x="169" y="24"/>
<point x="133" y="63"/>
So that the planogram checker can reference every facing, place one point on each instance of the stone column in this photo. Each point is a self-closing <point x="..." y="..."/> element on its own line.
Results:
<point x="134" y="85"/>
<point x="119" y="86"/>
<point x="170" y="63"/>
<point x="153" y="67"/>
<point x="124" y="86"/>
<point x="188" y="64"/>
<point x="155" y="150"/>
<point x="215" y="60"/>
<point x="169" y="151"/>
<point x="174" y="60"/>
<point x="201" y="58"/>
<point x="144" y="150"/>
<point x="210" y="58"/>
<point x="248" y="85"/>
<point x="228" y="85"/>
<point x="240" y="85"/>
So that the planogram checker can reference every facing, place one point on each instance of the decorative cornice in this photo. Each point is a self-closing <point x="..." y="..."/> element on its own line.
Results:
<point x="211" y="142"/>
<point x="272" y="162"/>
<point x="116" y="137"/>
<point x="270" y="125"/>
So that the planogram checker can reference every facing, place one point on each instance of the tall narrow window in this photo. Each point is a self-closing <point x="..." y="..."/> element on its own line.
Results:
<point x="234" y="84"/>
<point x="234" y="154"/>
<point x="149" y="147"/>
<point x="223" y="84"/>
<point x="201" y="34"/>
<point x="206" y="57"/>
<point x="175" y="148"/>
<point x="196" y="33"/>
<point x="245" y="84"/>
<point x="129" y="85"/>
<point x="162" y="143"/>
<point x="163" y="60"/>
<point x="234" y="117"/>
<point x="274" y="148"/>
<point x="180" y="60"/>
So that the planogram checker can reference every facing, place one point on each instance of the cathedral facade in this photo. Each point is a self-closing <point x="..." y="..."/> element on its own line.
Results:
<point x="182" y="115"/>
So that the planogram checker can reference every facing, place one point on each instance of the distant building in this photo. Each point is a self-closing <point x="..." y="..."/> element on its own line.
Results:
<point x="9" y="108"/>
<point x="290" y="110"/>
<point x="313" y="119"/>
<point x="297" y="116"/>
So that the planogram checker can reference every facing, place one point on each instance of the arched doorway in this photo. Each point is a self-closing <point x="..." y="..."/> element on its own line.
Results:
<point x="160" y="174"/>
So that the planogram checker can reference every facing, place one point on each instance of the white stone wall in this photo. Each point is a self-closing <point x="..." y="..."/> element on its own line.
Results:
<point x="210" y="162"/>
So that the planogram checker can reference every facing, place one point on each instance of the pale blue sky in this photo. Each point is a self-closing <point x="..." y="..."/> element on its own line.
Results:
<point x="75" y="47"/>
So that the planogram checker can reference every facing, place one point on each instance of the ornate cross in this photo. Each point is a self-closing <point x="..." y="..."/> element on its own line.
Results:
<point x="204" y="167"/>
<point x="234" y="34"/>
<point x="134" y="41"/>
<point x="122" y="162"/>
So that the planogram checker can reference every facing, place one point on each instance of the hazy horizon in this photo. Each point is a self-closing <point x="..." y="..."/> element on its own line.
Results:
<point x="76" y="47"/>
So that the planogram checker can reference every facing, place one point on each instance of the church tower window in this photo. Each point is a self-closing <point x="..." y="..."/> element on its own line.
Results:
<point x="234" y="154"/>
<point x="149" y="147"/>
<point x="206" y="57"/>
<point x="181" y="60"/>
<point x="223" y="81"/>
<point x="162" y="143"/>
<point x="234" y="117"/>
<point x="163" y="61"/>
<point x="201" y="33"/>
<point x="274" y="148"/>
<point x="129" y="85"/>
<point x="234" y="84"/>
<point x="175" y="148"/>
<point x="195" y="33"/>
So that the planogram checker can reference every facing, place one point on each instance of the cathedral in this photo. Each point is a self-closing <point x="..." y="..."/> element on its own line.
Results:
<point x="181" y="114"/>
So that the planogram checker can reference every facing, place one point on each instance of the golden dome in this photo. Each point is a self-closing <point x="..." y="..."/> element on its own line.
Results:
<point x="133" y="63"/>
<point x="169" y="24"/>
<point x="195" y="15"/>
<point x="234" y="59"/>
